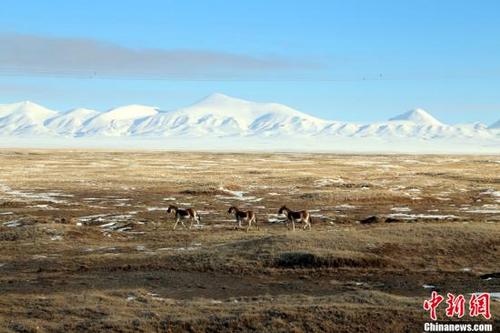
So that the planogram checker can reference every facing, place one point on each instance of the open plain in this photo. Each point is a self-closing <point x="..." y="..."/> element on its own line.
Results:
<point x="86" y="244"/>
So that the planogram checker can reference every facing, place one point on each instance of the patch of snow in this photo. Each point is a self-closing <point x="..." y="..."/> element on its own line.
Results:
<point x="328" y="181"/>
<point x="428" y="286"/>
<point x="345" y="206"/>
<point x="13" y="223"/>
<point x="401" y="209"/>
<point x="150" y="209"/>
<point x="420" y="216"/>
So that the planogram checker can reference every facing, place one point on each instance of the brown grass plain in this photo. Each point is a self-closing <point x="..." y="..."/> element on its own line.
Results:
<point x="86" y="244"/>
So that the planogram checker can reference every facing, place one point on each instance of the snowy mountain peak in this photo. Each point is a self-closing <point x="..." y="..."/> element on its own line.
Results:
<point x="221" y="104"/>
<point x="133" y="111"/>
<point x="220" y="98"/>
<point x="81" y="112"/>
<point x="26" y="109"/>
<point x="418" y="116"/>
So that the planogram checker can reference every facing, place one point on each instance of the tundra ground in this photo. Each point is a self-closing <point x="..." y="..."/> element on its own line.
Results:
<point x="86" y="244"/>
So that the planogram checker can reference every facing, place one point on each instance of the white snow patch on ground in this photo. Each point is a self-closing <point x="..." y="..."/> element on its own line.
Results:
<point x="237" y="195"/>
<point x="328" y="181"/>
<point x="390" y="166"/>
<point x="483" y="211"/>
<point x="98" y="217"/>
<point x="49" y="196"/>
<point x="13" y="223"/>
<point x="420" y="216"/>
<point x="275" y="218"/>
<point x="413" y="162"/>
<point x="401" y="209"/>
<point x="150" y="209"/>
<point x="6" y="213"/>
<point x="345" y="206"/>
<point x="491" y="192"/>
<point x="46" y="207"/>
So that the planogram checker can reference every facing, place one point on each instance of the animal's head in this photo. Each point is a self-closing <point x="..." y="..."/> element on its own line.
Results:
<point x="171" y="208"/>
<point x="231" y="210"/>
<point x="282" y="209"/>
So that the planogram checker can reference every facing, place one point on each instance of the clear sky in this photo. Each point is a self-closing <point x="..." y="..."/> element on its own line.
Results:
<point x="343" y="60"/>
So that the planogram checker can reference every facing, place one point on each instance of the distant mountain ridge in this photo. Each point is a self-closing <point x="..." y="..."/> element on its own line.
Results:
<point x="222" y="116"/>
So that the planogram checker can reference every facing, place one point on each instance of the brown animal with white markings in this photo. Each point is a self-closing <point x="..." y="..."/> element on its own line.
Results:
<point x="248" y="216"/>
<point x="296" y="217"/>
<point x="182" y="214"/>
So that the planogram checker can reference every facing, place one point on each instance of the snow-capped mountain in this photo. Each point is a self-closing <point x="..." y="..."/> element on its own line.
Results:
<point x="418" y="116"/>
<point x="221" y="116"/>
<point x="68" y="123"/>
<point x="116" y="122"/>
<point x="24" y="118"/>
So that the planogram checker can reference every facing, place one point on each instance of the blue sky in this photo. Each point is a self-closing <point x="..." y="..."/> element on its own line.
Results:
<point x="346" y="60"/>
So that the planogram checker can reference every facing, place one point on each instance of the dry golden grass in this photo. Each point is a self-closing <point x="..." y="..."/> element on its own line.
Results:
<point x="86" y="246"/>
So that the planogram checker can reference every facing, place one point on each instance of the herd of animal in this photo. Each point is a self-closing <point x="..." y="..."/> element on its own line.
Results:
<point x="242" y="217"/>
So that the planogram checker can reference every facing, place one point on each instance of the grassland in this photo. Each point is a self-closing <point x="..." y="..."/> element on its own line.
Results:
<point x="86" y="244"/>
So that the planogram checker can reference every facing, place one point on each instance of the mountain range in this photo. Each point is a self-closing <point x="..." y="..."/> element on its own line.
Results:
<point x="221" y="116"/>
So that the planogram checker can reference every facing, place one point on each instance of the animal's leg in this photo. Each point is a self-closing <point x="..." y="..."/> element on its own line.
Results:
<point x="176" y="222"/>
<point x="293" y="224"/>
<point x="254" y="220"/>
<point x="198" y="219"/>
<point x="191" y="224"/>
<point x="239" y="223"/>
<point x="249" y="224"/>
